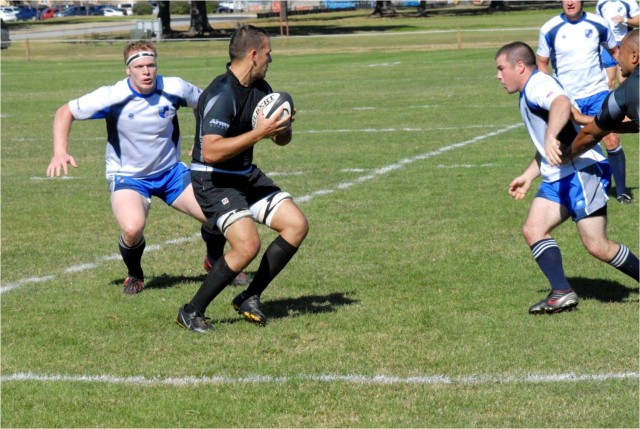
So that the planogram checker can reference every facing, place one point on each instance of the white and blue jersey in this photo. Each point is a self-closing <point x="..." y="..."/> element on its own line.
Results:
<point x="143" y="134"/>
<point x="574" y="50"/>
<point x="535" y="102"/>
<point x="610" y="8"/>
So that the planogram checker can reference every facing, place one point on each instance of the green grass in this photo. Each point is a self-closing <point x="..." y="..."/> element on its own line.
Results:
<point x="415" y="271"/>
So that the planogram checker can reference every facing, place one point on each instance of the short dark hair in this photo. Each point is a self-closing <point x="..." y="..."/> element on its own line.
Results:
<point x="518" y="51"/>
<point x="632" y="38"/>
<point x="245" y="38"/>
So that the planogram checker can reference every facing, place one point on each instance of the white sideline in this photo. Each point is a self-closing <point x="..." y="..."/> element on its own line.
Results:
<point x="304" y="198"/>
<point x="569" y="377"/>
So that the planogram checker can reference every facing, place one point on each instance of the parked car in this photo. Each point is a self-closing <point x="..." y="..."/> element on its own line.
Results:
<point x="73" y="11"/>
<point x="109" y="11"/>
<point x="48" y="13"/>
<point x="228" y="7"/>
<point x="6" y="40"/>
<point x="27" y="13"/>
<point x="126" y="7"/>
<point x="9" y="14"/>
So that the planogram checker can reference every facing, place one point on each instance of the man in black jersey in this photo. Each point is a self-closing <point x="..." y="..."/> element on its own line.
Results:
<point x="620" y="104"/>
<point x="233" y="192"/>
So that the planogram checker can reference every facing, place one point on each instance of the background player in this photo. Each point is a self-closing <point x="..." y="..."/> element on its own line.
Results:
<point x="576" y="190"/>
<point x="572" y="42"/>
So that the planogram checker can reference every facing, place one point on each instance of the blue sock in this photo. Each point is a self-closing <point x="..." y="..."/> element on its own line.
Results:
<point x="618" y="163"/>
<point x="547" y="254"/>
<point x="626" y="262"/>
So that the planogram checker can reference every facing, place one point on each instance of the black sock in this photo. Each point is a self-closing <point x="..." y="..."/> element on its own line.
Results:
<point x="275" y="258"/>
<point x="132" y="257"/>
<point x="215" y="242"/>
<point x="219" y="276"/>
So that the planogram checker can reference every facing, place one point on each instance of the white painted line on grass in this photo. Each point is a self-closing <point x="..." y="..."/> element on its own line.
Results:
<point x="466" y="165"/>
<point x="374" y="173"/>
<point x="569" y="377"/>
<point x="402" y="163"/>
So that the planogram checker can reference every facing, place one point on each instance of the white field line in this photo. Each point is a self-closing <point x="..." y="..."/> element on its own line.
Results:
<point x="323" y="378"/>
<point x="186" y="137"/>
<point x="304" y="198"/>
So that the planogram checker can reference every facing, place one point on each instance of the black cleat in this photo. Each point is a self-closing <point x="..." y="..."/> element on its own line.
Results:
<point x="195" y="321"/>
<point x="556" y="302"/>
<point x="250" y="308"/>
<point x="624" y="199"/>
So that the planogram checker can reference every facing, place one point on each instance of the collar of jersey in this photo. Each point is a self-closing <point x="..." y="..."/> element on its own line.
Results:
<point x="565" y="19"/>
<point x="157" y="86"/>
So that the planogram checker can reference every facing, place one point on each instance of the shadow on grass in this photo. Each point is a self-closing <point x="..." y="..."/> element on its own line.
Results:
<point x="166" y="281"/>
<point x="602" y="290"/>
<point x="295" y="307"/>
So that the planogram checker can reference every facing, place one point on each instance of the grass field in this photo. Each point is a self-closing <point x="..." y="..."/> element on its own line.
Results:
<point x="405" y="307"/>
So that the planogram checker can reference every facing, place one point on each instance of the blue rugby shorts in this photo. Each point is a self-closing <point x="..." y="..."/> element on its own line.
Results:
<point x="581" y="193"/>
<point x="167" y="186"/>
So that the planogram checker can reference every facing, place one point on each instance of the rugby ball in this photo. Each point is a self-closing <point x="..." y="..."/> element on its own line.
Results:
<point x="270" y="104"/>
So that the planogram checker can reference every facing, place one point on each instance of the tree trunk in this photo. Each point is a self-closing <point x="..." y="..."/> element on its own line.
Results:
<point x="164" y="13"/>
<point x="378" y="8"/>
<point x="199" y="20"/>
<point x="498" y="5"/>
<point x="422" y="8"/>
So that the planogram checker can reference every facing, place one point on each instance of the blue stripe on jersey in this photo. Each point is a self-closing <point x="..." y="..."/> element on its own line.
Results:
<point x="111" y="115"/>
<point x="551" y="42"/>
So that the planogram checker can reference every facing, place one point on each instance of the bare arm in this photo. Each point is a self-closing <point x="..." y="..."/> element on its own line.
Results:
<point x="216" y="148"/>
<point x="587" y="138"/>
<point x="519" y="186"/>
<point x="634" y="22"/>
<point x="559" y="115"/>
<point x="61" y="130"/>
<point x="543" y="64"/>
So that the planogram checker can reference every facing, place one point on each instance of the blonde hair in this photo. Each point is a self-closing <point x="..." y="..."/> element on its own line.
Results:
<point x="139" y="45"/>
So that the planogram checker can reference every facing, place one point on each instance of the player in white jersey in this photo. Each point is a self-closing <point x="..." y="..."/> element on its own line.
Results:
<point x="621" y="15"/>
<point x="577" y="190"/>
<point x="572" y="41"/>
<point x="143" y="151"/>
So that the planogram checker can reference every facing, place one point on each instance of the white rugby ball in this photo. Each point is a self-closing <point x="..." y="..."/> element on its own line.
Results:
<point x="271" y="103"/>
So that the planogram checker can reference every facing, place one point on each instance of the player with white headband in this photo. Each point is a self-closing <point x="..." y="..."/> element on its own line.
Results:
<point x="142" y="154"/>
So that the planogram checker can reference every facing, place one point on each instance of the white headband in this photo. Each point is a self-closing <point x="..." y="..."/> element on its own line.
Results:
<point x="137" y="55"/>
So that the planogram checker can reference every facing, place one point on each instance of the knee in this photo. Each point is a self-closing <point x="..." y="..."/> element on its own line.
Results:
<point x="600" y="249"/>
<point x="531" y="234"/>
<point x="296" y="229"/>
<point x="132" y="234"/>
<point x="246" y="248"/>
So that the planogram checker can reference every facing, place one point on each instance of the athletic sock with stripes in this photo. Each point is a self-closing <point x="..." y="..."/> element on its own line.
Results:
<point x="626" y="262"/>
<point x="547" y="254"/>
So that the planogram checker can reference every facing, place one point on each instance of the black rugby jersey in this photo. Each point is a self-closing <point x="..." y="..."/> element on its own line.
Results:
<point x="225" y="109"/>
<point x="623" y="101"/>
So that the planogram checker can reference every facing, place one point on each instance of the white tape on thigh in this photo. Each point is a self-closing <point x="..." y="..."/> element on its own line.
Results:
<point x="228" y="219"/>
<point x="264" y="210"/>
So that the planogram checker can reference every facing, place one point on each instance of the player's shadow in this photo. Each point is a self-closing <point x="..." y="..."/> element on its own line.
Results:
<point x="300" y="306"/>
<point x="165" y="281"/>
<point x="602" y="290"/>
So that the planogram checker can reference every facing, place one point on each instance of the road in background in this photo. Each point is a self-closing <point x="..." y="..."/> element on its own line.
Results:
<point x="55" y="31"/>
